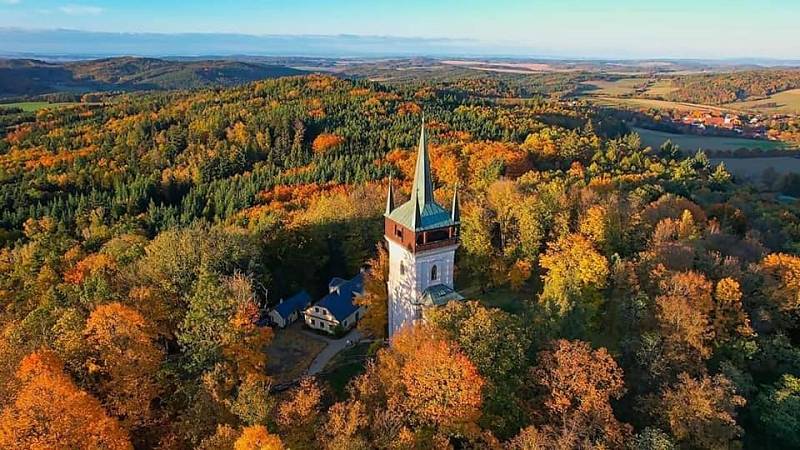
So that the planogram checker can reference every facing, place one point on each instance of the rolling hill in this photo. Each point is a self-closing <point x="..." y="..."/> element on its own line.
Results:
<point x="23" y="77"/>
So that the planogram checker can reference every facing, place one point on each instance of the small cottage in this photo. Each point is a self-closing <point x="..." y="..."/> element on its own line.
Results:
<point x="289" y="310"/>
<point x="337" y="311"/>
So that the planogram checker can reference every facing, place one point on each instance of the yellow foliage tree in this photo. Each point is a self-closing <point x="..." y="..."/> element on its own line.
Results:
<point x="123" y="361"/>
<point x="258" y="438"/>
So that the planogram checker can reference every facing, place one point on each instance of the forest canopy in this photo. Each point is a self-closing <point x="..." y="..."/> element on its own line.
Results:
<point x="618" y="296"/>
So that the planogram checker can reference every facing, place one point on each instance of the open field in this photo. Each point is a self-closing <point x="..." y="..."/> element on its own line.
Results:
<point x="622" y="86"/>
<point x="753" y="168"/>
<point x="35" y="106"/>
<point x="291" y="352"/>
<point x="660" y="88"/>
<point x="786" y="102"/>
<point x="647" y="103"/>
<point x="690" y="143"/>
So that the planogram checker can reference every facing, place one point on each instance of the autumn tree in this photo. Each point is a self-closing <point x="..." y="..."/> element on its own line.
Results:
<point x="730" y="319"/>
<point x="782" y="281"/>
<point x="576" y="273"/>
<point x="123" y="361"/>
<point x="375" y="298"/>
<point x="49" y="411"/>
<point x="345" y="422"/>
<point x="682" y="312"/>
<point x="325" y="142"/>
<point x="420" y="389"/>
<point x="298" y="416"/>
<point x="220" y="327"/>
<point x="701" y="412"/>
<point x="497" y="343"/>
<point x="577" y="385"/>
<point x="257" y="437"/>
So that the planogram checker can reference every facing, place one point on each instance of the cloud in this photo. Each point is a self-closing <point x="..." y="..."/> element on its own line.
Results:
<point x="81" y="10"/>
<point x="10" y="2"/>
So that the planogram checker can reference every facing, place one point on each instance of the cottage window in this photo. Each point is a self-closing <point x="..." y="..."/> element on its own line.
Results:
<point x="434" y="273"/>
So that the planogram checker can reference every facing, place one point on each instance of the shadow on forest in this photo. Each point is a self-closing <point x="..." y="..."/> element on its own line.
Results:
<point x="308" y="257"/>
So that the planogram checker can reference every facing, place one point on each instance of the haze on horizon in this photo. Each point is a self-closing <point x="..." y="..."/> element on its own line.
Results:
<point x="564" y="28"/>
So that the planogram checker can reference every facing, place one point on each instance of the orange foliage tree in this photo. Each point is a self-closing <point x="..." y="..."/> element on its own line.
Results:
<point x="579" y="384"/>
<point x="298" y="415"/>
<point x="427" y="381"/>
<point x="124" y="360"/>
<point x="325" y="142"/>
<point x="701" y="413"/>
<point x="683" y="316"/>
<point x="258" y="438"/>
<point x="782" y="280"/>
<point x="51" y="412"/>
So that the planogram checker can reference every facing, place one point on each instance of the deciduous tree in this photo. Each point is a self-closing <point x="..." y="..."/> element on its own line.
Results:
<point x="49" y="411"/>
<point x="577" y="385"/>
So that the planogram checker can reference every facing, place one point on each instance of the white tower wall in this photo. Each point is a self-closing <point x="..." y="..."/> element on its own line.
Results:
<point x="409" y="276"/>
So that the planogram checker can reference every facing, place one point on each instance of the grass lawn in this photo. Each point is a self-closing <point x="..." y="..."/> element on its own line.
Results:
<point x="35" y="106"/>
<point x="348" y="364"/>
<point x="290" y="353"/>
<point x="786" y="102"/>
<point x="690" y="143"/>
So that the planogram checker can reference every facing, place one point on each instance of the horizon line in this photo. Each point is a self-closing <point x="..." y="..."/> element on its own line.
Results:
<point x="485" y="48"/>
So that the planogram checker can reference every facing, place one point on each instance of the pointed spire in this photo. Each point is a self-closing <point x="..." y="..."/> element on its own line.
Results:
<point x="423" y="183"/>
<point x="416" y="221"/>
<point x="455" y="210"/>
<point x="390" y="198"/>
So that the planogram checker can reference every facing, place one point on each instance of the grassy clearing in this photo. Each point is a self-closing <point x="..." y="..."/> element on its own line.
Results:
<point x="345" y="366"/>
<point x="753" y="168"/>
<point x="691" y="143"/>
<point x="660" y="88"/>
<point x="35" y="106"/>
<point x="786" y="102"/>
<point x="290" y="353"/>
<point x="622" y="86"/>
<point x="647" y="103"/>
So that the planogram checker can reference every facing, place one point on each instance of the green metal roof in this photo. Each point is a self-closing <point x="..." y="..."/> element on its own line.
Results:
<point x="430" y="217"/>
<point x="438" y="295"/>
<point x="421" y="212"/>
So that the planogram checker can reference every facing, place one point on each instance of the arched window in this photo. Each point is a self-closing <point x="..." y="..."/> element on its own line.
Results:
<point x="434" y="273"/>
<point x="402" y="268"/>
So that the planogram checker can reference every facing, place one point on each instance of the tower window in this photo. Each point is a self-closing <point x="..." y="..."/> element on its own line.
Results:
<point x="402" y="268"/>
<point x="398" y="232"/>
<point x="434" y="273"/>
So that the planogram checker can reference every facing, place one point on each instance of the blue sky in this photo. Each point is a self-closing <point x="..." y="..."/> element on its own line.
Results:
<point x="585" y="28"/>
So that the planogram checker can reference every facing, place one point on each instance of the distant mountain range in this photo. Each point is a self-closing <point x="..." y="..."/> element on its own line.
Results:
<point x="55" y="44"/>
<point x="25" y="77"/>
<point x="90" y="44"/>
